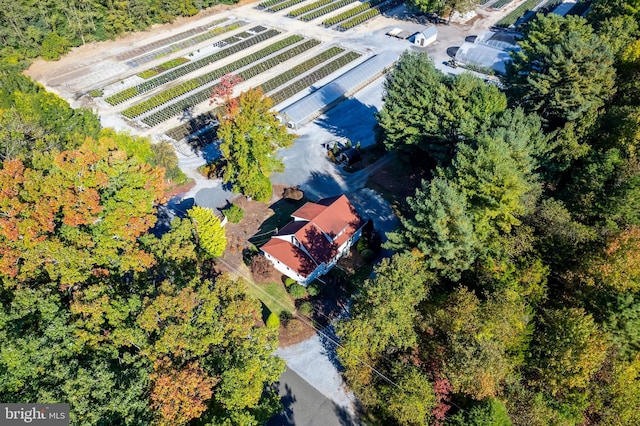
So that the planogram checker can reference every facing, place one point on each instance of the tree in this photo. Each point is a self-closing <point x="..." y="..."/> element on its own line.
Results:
<point x="383" y="322"/>
<point x="564" y="73"/>
<point x="618" y="267"/>
<point x="413" y="400"/>
<point x="498" y="181"/>
<point x="211" y="235"/>
<point x="568" y="349"/>
<point x="223" y="91"/>
<point x="180" y="395"/>
<point x="479" y="344"/>
<point x="76" y="215"/>
<point x="441" y="228"/>
<point x="423" y="109"/>
<point x="250" y="135"/>
<point x="443" y="7"/>
<point x="490" y="412"/>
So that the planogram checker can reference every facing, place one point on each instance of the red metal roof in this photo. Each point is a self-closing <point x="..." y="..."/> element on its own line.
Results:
<point x="334" y="217"/>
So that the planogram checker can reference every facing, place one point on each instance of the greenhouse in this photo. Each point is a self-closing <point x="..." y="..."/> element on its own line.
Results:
<point x="482" y="56"/>
<point x="306" y="109"/>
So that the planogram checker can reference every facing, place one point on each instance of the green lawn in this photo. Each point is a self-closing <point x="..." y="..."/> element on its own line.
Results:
<point x="274" y="297"/>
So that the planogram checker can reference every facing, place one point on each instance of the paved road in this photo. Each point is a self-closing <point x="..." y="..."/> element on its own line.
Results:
<point x="305" y="406"/>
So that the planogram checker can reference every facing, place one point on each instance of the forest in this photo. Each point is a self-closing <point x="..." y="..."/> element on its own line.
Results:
<point x="513" y="293"/>
<point x="49" y="28"/>
<point x="97" y="308"/>
<point x="512" y="296"/>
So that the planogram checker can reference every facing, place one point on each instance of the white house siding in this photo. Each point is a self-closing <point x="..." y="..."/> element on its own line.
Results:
<point x="285" y="269"/>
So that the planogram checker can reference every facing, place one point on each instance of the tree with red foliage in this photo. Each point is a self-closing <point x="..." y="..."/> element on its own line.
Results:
<point x="222" y="92"/>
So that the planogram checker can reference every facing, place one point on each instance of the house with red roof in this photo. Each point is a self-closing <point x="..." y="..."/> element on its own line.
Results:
<point x="319" y="235"/>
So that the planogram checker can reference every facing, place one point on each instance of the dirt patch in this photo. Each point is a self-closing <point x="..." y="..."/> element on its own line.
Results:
<point x="294" y="332"/>
<point x="259" y="222"/>
<point x="180" y="189"/>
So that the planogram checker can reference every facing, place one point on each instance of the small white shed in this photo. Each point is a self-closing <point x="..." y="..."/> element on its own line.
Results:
<point x="426" y="37"/>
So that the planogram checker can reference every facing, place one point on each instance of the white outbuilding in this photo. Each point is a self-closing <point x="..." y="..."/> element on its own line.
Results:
<point x="425" y="38"/>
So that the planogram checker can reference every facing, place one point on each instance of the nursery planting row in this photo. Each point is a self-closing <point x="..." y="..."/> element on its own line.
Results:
<point x="500" y="4"/>
<point x="162" y="68"/>
<point x="304" y="9"/>
<point x="347" y="14"/>
<point x="299" y="69"/>
<point x="195" y="124"/>
<point x="184" y="44"/>
<point x="359" y="19"/>
<point x="171" y="40"/>
<point x="209" y="117"/>
<point x="309" y="79"/>
<point x="516" y="13"/>
<point x="280" y="6"/>
<point x="268" y="3"/>
<point x="327" y="9"/>
<point x="202" y="95"/>
<point x="237" y="44"/>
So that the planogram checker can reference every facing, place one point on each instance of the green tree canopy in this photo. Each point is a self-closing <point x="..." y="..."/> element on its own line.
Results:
<point x="211" y="235"/>
<point x="250" y="135"/>
<point x="564" y="73"/>
<point x="428" y="111"/>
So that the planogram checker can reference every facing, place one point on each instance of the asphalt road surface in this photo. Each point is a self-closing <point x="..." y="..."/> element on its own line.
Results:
<point x="305" y="406"/>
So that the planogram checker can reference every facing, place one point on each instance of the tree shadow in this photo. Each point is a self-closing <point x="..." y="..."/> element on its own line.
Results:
<point x="329" y="341"/>
<point x="285" y="417"/>
<point x="352" y="120"/>
<point x="282" y="210"/>
<point x="344" y="416"/>
<point x="175" y="207"/>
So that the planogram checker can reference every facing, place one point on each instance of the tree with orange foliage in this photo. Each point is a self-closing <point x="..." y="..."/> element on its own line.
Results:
<point x="76" y="214"/>
<point x="180" y="395"/>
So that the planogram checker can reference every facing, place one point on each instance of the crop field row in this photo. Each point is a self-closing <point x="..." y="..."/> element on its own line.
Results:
<point x="327" y="9"/>
<point x="178" y="107"/>
<point x="268" y="3"/>
<point x="309" y="79"/>
<point x="184" y="130"/>
<point x="500" y="4"/>
<point x="347" y="14"/>
<point x="214" y="32"/>
<point x="299" y="69"/>
<point x="171" y="41"/>
<point x="236" y="43"/>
